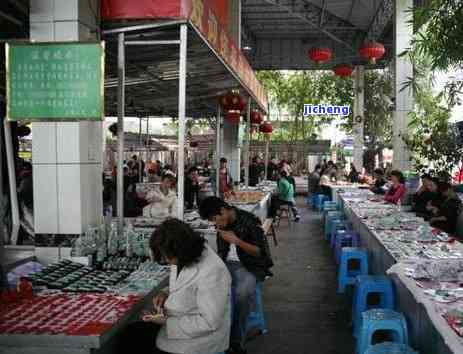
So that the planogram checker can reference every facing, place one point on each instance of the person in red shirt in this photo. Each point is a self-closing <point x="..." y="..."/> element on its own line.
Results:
<point x="397" y="191"/>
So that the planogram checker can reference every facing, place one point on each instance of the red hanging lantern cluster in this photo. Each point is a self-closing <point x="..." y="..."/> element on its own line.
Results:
<point x="266" y="129"/>
<point x="343" y="70"/>
<point x="232" y="102"/>
<point x="233" y="117"/>
<point x="256" y="117"/>
<point x="320" y="55"/>
<point x="372" y="51"/>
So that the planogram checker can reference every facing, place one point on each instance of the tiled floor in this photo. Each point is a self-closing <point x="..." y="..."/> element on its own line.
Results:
<point x="303" y="312"/>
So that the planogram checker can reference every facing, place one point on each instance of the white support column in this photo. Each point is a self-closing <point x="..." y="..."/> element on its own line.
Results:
<point x="403" y="71"/>
<point x="218" y="150"/>
<point x="358" y="114"/>
<point x="120" y="132"/>
<point x="181" y="120"/>
<point x="67" y="157"/>
<point x="247" y="137"/>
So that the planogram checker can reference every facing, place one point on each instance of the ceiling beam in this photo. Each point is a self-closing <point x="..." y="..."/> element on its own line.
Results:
<point x="11" y="19"/>
<point x="322" y="14"/>
<point x="381" y="20"/>
<point x="309" y="14"/>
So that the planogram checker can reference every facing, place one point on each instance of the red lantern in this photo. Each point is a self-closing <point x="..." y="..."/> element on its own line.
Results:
<point x="267" y="129"/>
<point x="320" y="55"/>
<point x="343" y="70"/>
<point x="233" y="117"/>
<point x="232" y="101"/>
<point x="372" y="51"/>
<point x="256" y="117"/>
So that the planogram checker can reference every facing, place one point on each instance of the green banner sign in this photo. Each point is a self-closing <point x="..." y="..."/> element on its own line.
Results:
<point x="55" y="81"/>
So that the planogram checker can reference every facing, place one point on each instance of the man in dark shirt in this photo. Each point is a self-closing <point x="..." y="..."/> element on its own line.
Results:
<point x="446" y="215"/>
<point x="191" y="187"/>
<point x="427" y="193"/>
<point x="242" y="245"/>
<point x="380" y="182"/>
<point x="255" y="171"/>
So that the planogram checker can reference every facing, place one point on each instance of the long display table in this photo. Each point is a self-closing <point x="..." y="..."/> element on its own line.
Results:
<point x="393" y="239"/>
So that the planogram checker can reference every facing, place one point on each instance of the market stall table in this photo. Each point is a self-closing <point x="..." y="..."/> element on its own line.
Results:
<point x="391" y="236"/>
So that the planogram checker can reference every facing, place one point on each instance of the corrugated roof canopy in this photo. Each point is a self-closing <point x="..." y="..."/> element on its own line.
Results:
<point x="278" y="33"/>
<point x="152" y="75"/>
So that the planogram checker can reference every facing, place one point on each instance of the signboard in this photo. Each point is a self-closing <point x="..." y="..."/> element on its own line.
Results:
<point x="55" y="81"/>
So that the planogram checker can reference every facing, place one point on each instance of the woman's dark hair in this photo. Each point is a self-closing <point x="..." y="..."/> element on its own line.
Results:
<point x="176" y="239"/>
<point x="193" y="169"/>
<point x="211" y="206"/>
<point x="223" y="160"/>
<point x="317" y="167"/>
<point x="353" y="169"/>
<point x="399" y="176"/>
<point x="379" y="172"/>
<point x="435" y="180"/>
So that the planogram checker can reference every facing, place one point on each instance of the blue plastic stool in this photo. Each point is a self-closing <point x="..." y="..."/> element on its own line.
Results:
<point x="381" y="320"/>
<point x="330" y="216"/>
<point x="369" y="284"/>
<point x="336" y="225"/>
<point x="327" y="209"/>
<point x="390" y="348"/>
<point x="256" y="319"/>
<point x="329" y="204"/>
<point x="321" y="198"/>
<point x="346" y="276"/>
<point x="345" y="238"/>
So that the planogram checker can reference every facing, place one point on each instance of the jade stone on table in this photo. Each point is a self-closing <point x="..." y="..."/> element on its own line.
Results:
<point x="55" y="82"/>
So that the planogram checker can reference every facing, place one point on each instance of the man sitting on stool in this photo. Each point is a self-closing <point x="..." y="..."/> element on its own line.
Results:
<point x="242" y="245"/>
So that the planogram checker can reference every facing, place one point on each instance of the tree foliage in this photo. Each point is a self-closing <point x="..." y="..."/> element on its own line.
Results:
<point x="438" y="42"/>
<point x="432" y="139"/>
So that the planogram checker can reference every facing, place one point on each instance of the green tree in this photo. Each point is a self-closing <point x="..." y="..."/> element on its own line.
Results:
<point x="432" y="139"/>
<point x="377" y="115"/>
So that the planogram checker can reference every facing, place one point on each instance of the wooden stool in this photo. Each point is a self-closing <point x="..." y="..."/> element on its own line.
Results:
<point x="282" y="212"/>
<point x="269" y="230"/>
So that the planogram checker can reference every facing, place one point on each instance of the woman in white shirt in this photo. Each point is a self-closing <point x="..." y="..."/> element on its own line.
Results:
<point x="194" y="311"/>
<point x="162" y="200"/>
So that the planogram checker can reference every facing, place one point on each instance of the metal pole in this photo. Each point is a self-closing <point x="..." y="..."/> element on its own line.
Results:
<point x="2" y="226"/>
<point x="247" y="143"/>
<point x="267" y="144"/>
<point x="12" y="180"/>
<point x="217" y="151"/>
<point x="182" y="119"/>
<point x="120" y="132"/>
<point x="140" y="172"/>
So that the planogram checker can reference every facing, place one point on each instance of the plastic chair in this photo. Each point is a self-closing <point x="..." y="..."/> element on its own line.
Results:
<point x="366" y="285"/>
<point x="345" y="238"/>
<point x="381" y="320"/>
<point x="347" y="276"/>
<point x="256" y="319"/>
<point x="390" y="348"/>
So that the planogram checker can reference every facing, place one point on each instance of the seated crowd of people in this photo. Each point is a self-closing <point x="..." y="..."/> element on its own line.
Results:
<point x="435" y="201"/>
<point x="210" y="295"/>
